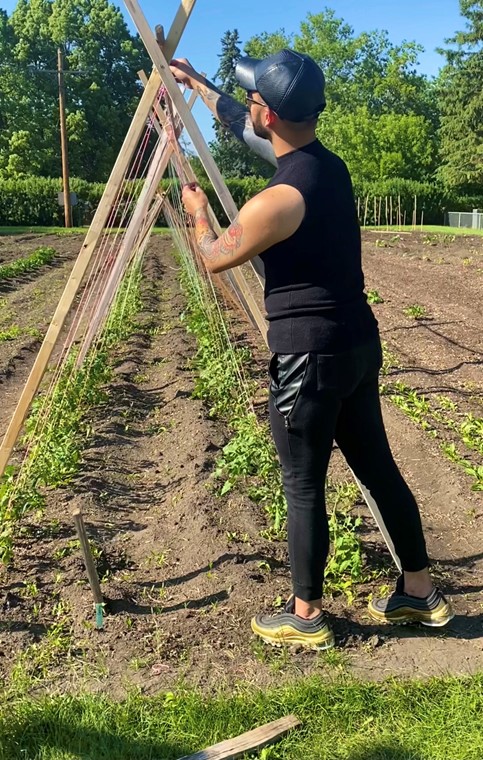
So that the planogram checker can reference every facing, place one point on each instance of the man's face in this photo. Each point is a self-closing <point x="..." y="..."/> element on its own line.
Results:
<point x="257" y="111"/>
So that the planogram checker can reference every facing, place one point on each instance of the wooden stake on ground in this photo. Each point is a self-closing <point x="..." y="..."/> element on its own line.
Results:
<point x="90" y="565"/>
<point x="252" y="741"/>
<point x="98" y="224"/>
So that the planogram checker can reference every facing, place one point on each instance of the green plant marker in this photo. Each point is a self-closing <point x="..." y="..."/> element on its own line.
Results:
<point x="99" y="616"/>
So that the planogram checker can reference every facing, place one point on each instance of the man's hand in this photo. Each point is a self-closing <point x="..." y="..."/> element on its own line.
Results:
<point x="184" y="72"/>
<point x="194" y="199"/>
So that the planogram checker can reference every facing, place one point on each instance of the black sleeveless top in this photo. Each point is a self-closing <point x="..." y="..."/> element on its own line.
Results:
<point x="314" y="283"/>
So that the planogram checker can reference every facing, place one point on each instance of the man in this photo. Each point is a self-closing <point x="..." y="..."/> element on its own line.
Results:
<point x="323" y="335"/>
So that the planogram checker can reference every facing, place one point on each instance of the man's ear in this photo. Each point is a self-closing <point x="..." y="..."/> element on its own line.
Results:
<point x="271" y="118"/>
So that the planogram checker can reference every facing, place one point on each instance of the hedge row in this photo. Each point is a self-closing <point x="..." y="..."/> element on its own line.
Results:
<point x="34" y="201"/>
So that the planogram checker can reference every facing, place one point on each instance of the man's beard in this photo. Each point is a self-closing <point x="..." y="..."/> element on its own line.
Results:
<point x="260" y="130"/>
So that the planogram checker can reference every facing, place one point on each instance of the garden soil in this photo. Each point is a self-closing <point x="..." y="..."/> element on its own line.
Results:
<point x="183" y="569"/>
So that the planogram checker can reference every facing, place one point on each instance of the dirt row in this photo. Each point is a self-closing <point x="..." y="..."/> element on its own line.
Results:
<point x="185" y="570"/>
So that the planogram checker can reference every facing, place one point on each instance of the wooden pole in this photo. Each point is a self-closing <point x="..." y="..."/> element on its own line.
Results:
<point x="252" y="741"/>
<point x="375" y="211"/>
<point x="90" y="566"/>
<point x="415" y="211"/>
<point x="365" y="211"/>
<point x="379" y="212"/>
<point x="110" y="194"/>
<point x="63" y="140"/>
<point x="390" y="209"/>
<point x="399" y="217"/>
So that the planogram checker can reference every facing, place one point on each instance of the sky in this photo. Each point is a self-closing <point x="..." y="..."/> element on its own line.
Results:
<point x="428" y="22"/>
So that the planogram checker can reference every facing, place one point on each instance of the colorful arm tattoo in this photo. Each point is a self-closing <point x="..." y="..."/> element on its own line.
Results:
<point x="211" y="247"/>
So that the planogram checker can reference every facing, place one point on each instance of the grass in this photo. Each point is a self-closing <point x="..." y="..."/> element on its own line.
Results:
<point x="63" y="230"/>
<point x="426" y="228"/>
<point x="341" y="720"/>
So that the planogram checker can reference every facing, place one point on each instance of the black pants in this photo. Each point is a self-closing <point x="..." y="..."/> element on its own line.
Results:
<point x="314" y="400"/>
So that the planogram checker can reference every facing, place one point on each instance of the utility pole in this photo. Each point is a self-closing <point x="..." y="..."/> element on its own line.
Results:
<point x="63" y="139"/>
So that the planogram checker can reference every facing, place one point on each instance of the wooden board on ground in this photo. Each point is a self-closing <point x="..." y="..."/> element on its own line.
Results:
<point x="249" y="742"/>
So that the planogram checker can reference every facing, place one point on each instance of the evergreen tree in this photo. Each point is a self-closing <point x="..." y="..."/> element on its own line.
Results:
<point x="461" y="102"/>
<point x="233" y="158"/>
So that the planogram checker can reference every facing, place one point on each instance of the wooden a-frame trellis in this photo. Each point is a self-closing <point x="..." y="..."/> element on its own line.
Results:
<point x="138" y="231"/>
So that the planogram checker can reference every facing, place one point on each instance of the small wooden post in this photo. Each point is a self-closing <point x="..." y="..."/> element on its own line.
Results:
<point x="365" y="211"/>
<point x="390" y="209"/>
<point x="387" y="216"/>
<point x="90" y="567"/>
<point x="359" y="209"/>
<point x="415" y="209"/>
<point x="379" y="212"/>
<point x="375" y="211"/>
<point x="399" y="219"/>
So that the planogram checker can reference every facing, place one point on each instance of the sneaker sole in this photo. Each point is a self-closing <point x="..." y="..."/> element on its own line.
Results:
<point x="432" y="620"/>
<point x="288" y="636"/>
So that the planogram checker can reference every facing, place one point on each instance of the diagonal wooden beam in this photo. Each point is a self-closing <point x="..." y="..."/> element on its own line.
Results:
<point x="101" y="216"/>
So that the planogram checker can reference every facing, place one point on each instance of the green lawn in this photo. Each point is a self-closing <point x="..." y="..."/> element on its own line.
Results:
<point x="429" y="228"/>
<point x="439" y="719"/>
<point x="61" y="230"/>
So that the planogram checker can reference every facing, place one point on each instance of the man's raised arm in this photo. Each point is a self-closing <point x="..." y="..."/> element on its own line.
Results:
<point x="226" y="109"/>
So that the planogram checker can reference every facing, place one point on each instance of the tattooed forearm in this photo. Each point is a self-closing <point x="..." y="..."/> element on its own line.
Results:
<point x="209" y="94"/>
<point x="211" y="247"/>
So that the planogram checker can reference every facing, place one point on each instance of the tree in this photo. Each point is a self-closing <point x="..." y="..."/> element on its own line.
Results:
<point x="233" y="158"/>
<point x="101" y="99"/>
<point x="381" y="115"/>
<point x="461" y="103"/>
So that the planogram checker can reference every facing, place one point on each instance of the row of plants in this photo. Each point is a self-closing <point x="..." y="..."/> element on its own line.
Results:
<point x="60" y="424"/>
<point x="34" y="200"/>
<point x="442" y="414"/>
<point x="36" y="260"/>
<point x="248" y="462"/>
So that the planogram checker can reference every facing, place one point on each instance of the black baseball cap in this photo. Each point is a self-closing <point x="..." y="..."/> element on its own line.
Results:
<point x="290" y="83"/>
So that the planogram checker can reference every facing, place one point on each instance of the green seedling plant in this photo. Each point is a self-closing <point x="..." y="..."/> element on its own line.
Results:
<point x="40" y="257"/>
<point x="415" y="311"/>
<point x="373" y="297"/>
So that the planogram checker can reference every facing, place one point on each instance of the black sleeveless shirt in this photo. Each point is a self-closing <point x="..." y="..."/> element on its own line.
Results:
<point x="314" y="287"/>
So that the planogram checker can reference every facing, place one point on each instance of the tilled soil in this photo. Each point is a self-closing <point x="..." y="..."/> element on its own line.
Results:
<point x="183" y="569"/>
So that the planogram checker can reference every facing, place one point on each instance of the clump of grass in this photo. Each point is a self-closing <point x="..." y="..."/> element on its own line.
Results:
<point x="341" y="719"/>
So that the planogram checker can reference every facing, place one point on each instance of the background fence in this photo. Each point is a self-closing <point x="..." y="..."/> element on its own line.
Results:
<point x="471" y="219"/>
